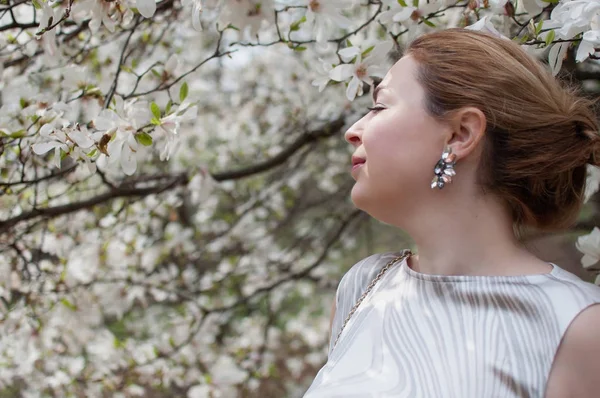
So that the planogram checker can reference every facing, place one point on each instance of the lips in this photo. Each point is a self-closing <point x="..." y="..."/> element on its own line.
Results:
<point x="357" y="160"/>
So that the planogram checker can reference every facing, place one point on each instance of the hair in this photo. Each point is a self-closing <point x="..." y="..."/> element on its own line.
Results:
<point x="540" y="135"/>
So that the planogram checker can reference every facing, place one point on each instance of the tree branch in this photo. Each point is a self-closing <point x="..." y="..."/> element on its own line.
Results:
<point x="38" y="180"/>
<point x="120" y="192"/>
<point x="307" y="138"/>
<point x="113" y="88"/>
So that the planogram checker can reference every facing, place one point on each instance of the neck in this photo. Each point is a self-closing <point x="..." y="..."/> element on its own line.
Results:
<point x="469" y="237"/>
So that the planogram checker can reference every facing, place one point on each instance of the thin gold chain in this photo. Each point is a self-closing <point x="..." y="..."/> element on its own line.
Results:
<point x="405" y="253"/>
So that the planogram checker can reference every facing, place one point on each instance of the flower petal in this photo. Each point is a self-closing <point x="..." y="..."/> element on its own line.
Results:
<point x="106" y="120"/>
<point x="587" y="260"/>
<point x="46" y="130"/>
<point x="379" y="53"/>
<point x="128" y="161"/>
<point x="81" y="138"/>
<point x="352" y="88"/>
<point x="42" y="147"/>
<point x="532" y="6"/>
<point x="584" y="50"/>
<point x="556" y="56"/>
<point x="348" y="53"/>
<point x="146" y="7"/>
<point x="196" y="12"/>
<point x="404" y="14"/>
<point x="342" y="72"/>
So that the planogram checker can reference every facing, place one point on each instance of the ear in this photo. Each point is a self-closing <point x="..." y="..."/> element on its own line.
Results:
<point x="468" y="128"/>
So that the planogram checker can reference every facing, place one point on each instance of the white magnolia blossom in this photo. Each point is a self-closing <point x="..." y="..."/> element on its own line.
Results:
<point x="101" y="13"/>
<point x="74" y="141"/>
<point x="170" y="125"/>
<point x="121" y="126"/>
<point x="324" y="16"/>
<point x="409" y="14"/>
<point x="361" y="70"/>
<point x="485" y="25"/>
<point x="48" y="17"/>
<point x="592" y="184"/>
<point x="589" y="245"/>
<point x="589" y="42"/>
<point x="568" y="20"/>
<point x="247" y="14"/>
<point x="323" y="69"/>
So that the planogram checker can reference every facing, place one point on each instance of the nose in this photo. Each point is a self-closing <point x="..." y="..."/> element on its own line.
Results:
<point x="354" y="133"/>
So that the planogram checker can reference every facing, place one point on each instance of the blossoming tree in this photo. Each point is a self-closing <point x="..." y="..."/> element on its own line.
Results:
<point x="174" y="190"/>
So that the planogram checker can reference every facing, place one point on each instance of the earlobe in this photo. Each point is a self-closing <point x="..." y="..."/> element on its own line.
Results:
<point x="469" y="126"/>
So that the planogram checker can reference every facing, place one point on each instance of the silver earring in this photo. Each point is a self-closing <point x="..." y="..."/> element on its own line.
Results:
<point x="444" y="169"/>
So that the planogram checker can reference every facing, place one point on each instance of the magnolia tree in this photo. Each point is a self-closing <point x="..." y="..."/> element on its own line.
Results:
<point x="174" y="194"/>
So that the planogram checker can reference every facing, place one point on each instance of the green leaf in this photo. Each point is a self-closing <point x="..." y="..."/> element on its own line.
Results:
<point x="18" y="134"/>
<point x="24" y="103"/>
<point x="134" y="63"/>
<point x="415" y="3"/>
<point x="36" y="4"/>
<point x="402" y="3"/>
<point x="300" y="48"/>
<point x="550" y="37"/>
<point x="172" y="341"/>
<point x="68" y="304"/>
<point x="348" y="43"/>
<point x="155" y="73"/>
<point x="183" y="92"/>
<point x="155" y="121"/>
<point x="538" y="27"/>
<point x="168" y="108"/>
<point x="296" y="25"/>
<point x="428" y="23"/>
<point x="367" y="51"/>
<point x="92" y="153"/>
<point x="144" y="138"/>
<point x="155" y="110"/>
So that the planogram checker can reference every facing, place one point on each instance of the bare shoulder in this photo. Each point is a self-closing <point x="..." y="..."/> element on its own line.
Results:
<point x="576" y="366"/>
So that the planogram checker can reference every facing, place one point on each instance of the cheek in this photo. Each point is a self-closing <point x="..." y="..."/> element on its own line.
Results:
<point x="402" y="145"/>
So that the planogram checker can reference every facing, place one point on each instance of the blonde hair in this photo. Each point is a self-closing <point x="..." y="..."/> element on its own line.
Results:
<point x="540" y="135"/>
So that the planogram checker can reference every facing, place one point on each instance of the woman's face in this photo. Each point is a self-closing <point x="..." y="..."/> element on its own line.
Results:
<point x="400" y="143"/>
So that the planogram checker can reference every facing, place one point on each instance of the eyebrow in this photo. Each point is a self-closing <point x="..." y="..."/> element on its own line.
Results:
<point x="377" y="90"/>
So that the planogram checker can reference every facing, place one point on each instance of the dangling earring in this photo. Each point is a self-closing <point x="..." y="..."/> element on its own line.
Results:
<point x="444" y="169"/>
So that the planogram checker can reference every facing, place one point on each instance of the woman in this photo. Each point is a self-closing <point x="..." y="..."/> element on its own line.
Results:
<point x="474" y="314"/>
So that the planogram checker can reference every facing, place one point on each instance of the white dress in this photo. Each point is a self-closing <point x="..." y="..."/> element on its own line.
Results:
<point x="418" y="335"/>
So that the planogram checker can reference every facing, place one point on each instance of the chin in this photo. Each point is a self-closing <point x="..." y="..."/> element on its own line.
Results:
<point x="361" y="197"/>
<point x="384" y="206"/>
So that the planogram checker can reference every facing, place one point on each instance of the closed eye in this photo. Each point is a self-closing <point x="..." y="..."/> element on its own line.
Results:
<point x="376" y="108"/>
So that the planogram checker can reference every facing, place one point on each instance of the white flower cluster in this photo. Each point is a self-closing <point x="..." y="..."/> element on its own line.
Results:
<point x="171" y="180"/>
